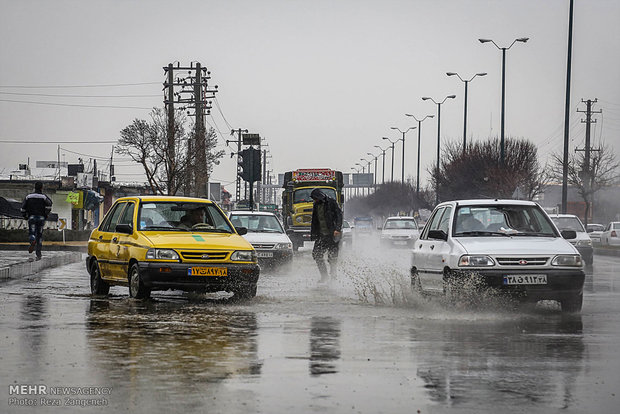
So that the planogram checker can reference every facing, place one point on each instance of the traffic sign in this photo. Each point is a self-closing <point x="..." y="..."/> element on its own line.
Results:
<point x="62" y="224"/>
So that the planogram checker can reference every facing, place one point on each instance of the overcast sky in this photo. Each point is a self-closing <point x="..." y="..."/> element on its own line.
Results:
<point x="322" y="81"/>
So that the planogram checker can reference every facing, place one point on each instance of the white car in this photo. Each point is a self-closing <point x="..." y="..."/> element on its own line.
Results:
<point x="582" y="241"/>
<point x="399" y="231"/>
<point x="509" y="245"/>
<point x="595" y="231"/>
<point x="611" y="235"/>
<point x="267" y="236"/>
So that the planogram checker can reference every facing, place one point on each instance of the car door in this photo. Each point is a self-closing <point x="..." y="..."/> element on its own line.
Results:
<point x="439" y="252"/>
<point x="106" y="234"/>
<point x="423" y="248"/>
<point x="120" y="243"/>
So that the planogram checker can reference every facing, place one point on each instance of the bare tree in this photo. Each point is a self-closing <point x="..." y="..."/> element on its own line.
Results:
<point x="603" y="172"/>
<point x="477" y="172"/>
<point x="166" y="169"/>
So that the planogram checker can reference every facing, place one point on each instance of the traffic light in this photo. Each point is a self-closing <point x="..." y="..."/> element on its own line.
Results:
<point x="250" y="165"/>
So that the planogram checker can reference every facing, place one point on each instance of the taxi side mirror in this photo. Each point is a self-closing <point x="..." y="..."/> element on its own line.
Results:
<point x="124" y="228"/>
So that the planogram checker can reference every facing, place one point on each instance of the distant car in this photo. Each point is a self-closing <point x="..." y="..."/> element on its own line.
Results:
<point x="149" y="243"/>
<point x="399" y="231"/>
<point x="508" y="245"/>
<point x="582" y="241"/>
<point x="267" y="236"/>
<point x="363" y="226"/>
<point x="611" y="235"/>
<point x="595" y="231"/>
<point x="347" y="234"/>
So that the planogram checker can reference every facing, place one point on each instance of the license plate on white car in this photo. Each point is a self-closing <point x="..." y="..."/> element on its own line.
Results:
<point x="400" y="242"/>
<point x="264" y="254"/>
<point x="525" y="279"/>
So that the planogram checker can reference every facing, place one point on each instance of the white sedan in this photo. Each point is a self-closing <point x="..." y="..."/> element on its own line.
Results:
<point x="399" y="231"/>
<point x="508" y="245"/>
<point x="611" y="235"/>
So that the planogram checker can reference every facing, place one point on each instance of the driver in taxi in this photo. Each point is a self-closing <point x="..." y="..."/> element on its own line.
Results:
<point x="191" y="218"/>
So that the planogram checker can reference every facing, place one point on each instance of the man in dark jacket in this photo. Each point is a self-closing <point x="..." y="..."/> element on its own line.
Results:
<point x="35" y="209"/>
<point x="325" y="231"/>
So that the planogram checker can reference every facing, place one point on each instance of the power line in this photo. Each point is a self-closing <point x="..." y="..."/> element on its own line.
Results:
<point x="217" y="104"/>
<point x="75" y="105"/>
<point x="79" y="96"/>
<point x="78" y="86"/>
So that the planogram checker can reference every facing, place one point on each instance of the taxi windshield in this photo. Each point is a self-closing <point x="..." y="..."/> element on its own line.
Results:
<point x="181" y="216"/>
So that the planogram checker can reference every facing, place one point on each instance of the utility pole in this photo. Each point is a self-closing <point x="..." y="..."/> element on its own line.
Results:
<point x="200" y="93"/>
<point x="586" y="173"/>
<point x="238" y="141"/>
<point x="567" y="111"/>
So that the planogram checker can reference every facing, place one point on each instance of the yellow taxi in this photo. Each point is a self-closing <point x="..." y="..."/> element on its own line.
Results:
<point x="162" y="242"/>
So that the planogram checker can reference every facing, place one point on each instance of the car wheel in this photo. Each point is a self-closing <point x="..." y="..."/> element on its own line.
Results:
<point x="98" y="286"/>
<point x="245" y="292"/>
<point x="137" y="290"/>
<point x="572" y="304"/>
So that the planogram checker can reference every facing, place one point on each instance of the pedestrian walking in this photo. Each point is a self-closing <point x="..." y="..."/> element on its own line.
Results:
<point x="35" y="209"/>
<point x="326" y="230"/>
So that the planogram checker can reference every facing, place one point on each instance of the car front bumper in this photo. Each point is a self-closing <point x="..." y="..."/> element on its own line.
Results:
<point x="586" y="252"/>
<point x="162" y="276"/>
<point x="561" y="283"/>
<point x="277" y="258"/>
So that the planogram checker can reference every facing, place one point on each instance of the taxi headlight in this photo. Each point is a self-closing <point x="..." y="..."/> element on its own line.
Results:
<point x="244" y="256"/>
<point x="567" y="260"/>
<point x="284" y="246"/>
<point x="475" y="261"/>
<point x="584" y="243"/>
<point x="162" y="254"/>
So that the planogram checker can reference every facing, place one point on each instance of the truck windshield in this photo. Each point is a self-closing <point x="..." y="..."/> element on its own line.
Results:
<point x="303" y="195"/>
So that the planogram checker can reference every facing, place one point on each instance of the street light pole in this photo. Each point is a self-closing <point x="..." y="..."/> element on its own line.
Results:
<point x="438" y="138"/>
<point x="503" y="49"/>
<point x="466" y="82"/>
<point x="393" y="142"/>
<point x="402" y="179"/>
<point x="375" y="176"/>
<point x="383" y="164"/>
<point x="417" y="185"/>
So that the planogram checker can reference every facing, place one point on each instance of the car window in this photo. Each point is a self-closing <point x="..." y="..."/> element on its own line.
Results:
<point x="444" y="223"/>
<point x="482" y="221"/>
<point x="127" y="216"/>
<point x="257" y="223"/>
<point x="111" y="219"/>
<point x="616" y="226"/>
<point x="434" y="222"/>
<point x="400" y="224"/>
<point x="568" y="223"/>
<point x="303" y="195"/>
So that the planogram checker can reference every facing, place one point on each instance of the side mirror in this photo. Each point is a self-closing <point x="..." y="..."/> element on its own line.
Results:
<point x="569" y="234"/>
<point x="437" y="235"/>
<point x="124" y="228"/>
<point x="241" y="230"/>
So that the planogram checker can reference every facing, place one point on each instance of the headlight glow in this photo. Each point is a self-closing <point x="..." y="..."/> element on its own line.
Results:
<point x="244" y="256"/>
<point x="162" y="254"/>
<point x="567" y="260"/>
<point x="475" y="261"/>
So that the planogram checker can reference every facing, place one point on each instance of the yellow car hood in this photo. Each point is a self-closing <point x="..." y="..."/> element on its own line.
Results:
<point x="197" y="240"/>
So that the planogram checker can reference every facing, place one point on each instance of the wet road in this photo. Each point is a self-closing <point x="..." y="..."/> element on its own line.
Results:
<point x="363" y="344"/>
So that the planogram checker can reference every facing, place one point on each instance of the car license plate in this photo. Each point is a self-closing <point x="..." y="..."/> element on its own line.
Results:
<point x="207" y="271"/>
<point x="400" y="242"/>
<point x="525" y="279"/>
<point x="264" y="254"/>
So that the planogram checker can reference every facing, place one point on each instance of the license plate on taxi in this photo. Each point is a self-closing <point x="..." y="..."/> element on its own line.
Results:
<point x="525" y="279"/>
<point x="207" y="271"/>
<point x="264" y="254"/>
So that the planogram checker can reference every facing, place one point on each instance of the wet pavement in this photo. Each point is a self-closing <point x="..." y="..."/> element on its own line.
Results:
<point x="362" y="344"/>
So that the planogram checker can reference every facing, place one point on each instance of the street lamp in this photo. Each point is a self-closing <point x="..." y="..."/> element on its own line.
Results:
<point x="403" y="166"/>
<point x="417" y="186"/>
<point x="504" y="49"/>
<point x="425" y="98"/>
<point x="357" y="171"/>
<point x="364" y="159"/>
<point x="393" y="142"/>
<point x="375" y="176"/>
<point x="466" y="82"/>
<point x="383" y="151"/>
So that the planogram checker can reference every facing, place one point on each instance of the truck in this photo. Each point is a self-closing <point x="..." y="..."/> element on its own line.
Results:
<point x="296" y="201"/>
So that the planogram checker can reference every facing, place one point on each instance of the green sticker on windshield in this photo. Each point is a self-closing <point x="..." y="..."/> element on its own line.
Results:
<point x="198" y="237"/>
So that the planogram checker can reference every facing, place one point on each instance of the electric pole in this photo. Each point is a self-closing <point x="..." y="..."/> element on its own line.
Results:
<point x="238" y="141"/>
<point x="195" y="83"/>
<point x="586" y="173"/>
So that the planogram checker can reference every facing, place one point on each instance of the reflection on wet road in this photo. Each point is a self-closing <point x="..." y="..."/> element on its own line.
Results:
<point x="362" y="344"/>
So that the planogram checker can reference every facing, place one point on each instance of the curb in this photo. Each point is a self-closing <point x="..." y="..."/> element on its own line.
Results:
<point x="28" y="268"/>
<point x="46" y="247"/>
